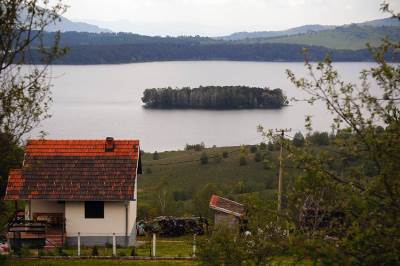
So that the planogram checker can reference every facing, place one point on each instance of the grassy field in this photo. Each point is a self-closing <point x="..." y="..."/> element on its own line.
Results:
<point x="91" y="262"/>
<point x="184" y="174"/>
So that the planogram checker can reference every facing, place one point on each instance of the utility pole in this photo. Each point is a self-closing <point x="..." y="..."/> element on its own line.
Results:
<point x="280" y="175"/>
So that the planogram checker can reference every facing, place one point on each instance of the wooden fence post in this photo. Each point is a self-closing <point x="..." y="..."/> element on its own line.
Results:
<point x="114" y="246"/>
<point x="79" y="244"/>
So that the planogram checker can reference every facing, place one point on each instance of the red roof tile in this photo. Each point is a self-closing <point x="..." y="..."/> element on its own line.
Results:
<point x="76" y="170"/>
<point x="226" y="206"/>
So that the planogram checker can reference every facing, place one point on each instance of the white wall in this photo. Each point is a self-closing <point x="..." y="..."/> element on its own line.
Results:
<point x="113" y="221"/>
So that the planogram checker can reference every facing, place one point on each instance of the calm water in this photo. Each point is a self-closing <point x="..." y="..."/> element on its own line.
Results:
<point x="105" y="100"/>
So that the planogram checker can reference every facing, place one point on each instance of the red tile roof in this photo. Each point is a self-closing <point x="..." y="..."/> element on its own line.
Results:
<point x="76" y="170"/>
<point x="227" y="206"/>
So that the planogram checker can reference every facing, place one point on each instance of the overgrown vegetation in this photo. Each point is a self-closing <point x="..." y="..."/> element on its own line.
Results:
<point x="343" y="206"/>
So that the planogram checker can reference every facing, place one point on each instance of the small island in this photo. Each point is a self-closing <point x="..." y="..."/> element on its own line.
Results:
<point x="214" y="97"/>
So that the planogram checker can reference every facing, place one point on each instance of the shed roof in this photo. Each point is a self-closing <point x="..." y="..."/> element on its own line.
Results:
<point x="77" y="170"/>
<point x="227" y="206"/>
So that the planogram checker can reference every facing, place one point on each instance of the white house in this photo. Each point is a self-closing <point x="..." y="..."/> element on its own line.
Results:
<point x="86" y="187"/>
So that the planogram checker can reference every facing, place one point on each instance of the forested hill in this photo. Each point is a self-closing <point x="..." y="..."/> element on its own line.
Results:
<point x="115" y="48"/>
<point x="214" y="97"/>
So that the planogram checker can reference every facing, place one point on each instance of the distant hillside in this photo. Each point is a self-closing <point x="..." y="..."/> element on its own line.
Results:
<point x="347" y="37"/>
<point x="387" y="22"/>
<point x="352" y="36"/>
<point x="67" y="25"/>
<point x="267" y="34"/>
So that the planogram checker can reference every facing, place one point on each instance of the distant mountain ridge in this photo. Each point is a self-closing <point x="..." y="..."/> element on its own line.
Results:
<point x="65" y="25"/>
<point x="268" y="34"/>
<point x="386" y="22"/>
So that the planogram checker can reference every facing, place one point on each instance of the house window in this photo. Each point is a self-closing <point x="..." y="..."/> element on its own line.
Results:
<point x="94" y="209"/>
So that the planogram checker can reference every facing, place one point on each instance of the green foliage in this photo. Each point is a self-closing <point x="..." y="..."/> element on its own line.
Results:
<point x="350" y="190"/>
<point x="298" y="140"/>
<point x="242" y="161"/>
<point x="267" y="165"/>
<point x="263" y="146"/>
<point x="225" y="154"/>
<point x="253" y="148"/>
<point x="202" y="199"/>
<point x="156" y="156"/>
<point x="204" y="158"/>
<point x="213" y="97"/>
<point x="258" y="157"/>
<point x="319" y="138"/>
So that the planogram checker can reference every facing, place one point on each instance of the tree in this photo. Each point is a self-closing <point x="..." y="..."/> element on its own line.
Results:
<point x="298" y="139"/>
<point x="162" y="195"/>
<point x="24" y="92"/>
<point x="204" y="158"/>
<point x="202" y="198"/>
<point x="156" y="156"/>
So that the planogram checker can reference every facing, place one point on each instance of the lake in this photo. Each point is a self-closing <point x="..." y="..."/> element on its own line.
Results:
<point x="92" y="102"/>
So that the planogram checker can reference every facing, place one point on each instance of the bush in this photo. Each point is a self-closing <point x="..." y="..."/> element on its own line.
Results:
<point x="156" y="156"/>
<point x="258" y="157"/>
<point x="95" y="251"/>
<point x="242" y="161"/>
<point x="204" y="158"/>
<point x="263" y="146"/>
<point x="253" y="149"/>
<point x="225" y="154"/>
<point x="121" y="253"/>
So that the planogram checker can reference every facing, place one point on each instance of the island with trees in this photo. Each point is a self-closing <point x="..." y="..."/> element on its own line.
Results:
<point x="214" y="97"/>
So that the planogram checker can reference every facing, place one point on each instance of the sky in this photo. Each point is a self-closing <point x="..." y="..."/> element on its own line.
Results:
<point x="220" y="17"/>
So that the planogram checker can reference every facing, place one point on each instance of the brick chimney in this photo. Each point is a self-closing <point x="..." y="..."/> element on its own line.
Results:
<point x="110" y="145"/>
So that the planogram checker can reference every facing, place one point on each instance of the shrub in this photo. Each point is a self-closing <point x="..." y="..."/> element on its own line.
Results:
<point x="95" y="251"/>
<point x="204" y="158"/>
<point x="242" y="161"/>
<point x="253" y="149"/>
<point x="121" y="253"/>
<point x="225" y="154"/>
<point x="263" y="146"/>
<point x="258" y="157"/>
<point x="156" y="156"/>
